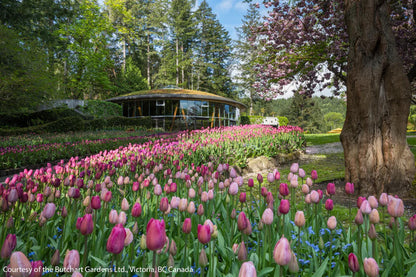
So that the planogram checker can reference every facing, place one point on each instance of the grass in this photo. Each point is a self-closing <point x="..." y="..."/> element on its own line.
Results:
<point x="319" y="139"/>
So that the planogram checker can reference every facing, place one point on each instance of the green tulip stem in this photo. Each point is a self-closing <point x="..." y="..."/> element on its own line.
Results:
<point x="155" y="260"/>
<point x="84" y="257"/>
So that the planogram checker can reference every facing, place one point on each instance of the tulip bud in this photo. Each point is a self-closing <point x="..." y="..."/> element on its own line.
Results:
<point x="242" y="221"/>
<point x="203" y="260"/>
<point x="284" y="206"/>
<point x="164" y="204"/>
<point x="371" y="267"/>
<point x="299" y="219"/>
<point x="136" y="211"/>
<point x="294" y="167"/>
<point x="204" y="233"/>
<point x="19" y="264"/>
<point x="293" y="264"/>
<point x="71" y="261"/>
<point x="125" y="204"/>
<point x="115" y="242"/>
<point x="233" y="190"/>
<point x="10" y="223"/>
<point x="155" y="234"/>
<point x="183" y="204"/>
<point x="191" y="207"/>
<point x="86" y="201"/>
<point x="314" y="175"/>
<point x="372" y="232"/>
<point x="172" y="248"/>
<point x="270" y="178"/>
<point x="235" y="248"/>
<point x="129" y="237"/>
<point x="55" y="260"/>
<point x="187" y="226"/>
<point x="305" y="189"/>
<point x="374" y="216"/>
<point x="242" y="197"/>
<point x="314" y="197"/>
<point x="233" y="214"/>
<point x="113" y="217"/>
<point x="267" y="217"/>
<point x="200" y="210"/>
<point x="332" y="223"/>
<point x="242" y="252"/>
<point x="8" y="246"/>
<point x="250" y="183"/>
<point x="412" y="223"/>
<point x="282" y="252"/>
<point x="353" y="263"/>
<point x="359" y="218"/>
<point x="122" y="218"/>
<point x="143" y="242"/>
<point x="247" y="269"/>
<point x="95" y="202"/>
<point x="360" y="200"/>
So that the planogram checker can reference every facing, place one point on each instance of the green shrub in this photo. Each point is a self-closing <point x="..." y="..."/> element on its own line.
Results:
<point x="244" y="120"/>
<point x="35" y="118"/>
<point x="283" y="121"/>
<point x="98" y="109"/>
<point x="255" y="119"/>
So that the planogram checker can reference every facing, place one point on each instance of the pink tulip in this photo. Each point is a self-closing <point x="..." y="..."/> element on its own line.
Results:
<point x="332" y="223"/>
<point x="282" y="252"/>
<point x="37" y="269"/>
<point x="314" y="196"/>
<point x="191" y="208"/>
<point x="204" y="233"/>
<point x="19" y="265"/>
<point x="87" y="225"/>
<point x="299" y="219"/>
<point x="242" y="252"/>
<point x="329" y="204"/>
<point x="250" y="183"/>
<point x="374" y="216"/>
<point x="164" y="204"/>
<point x="305" y="189"/>
<point x="384" y="199"/>
<point x="242" y="221"/>
<point x="200" y="210"/>
<point x="247" y="269"/>
<point x="284" y="206"/>
<point x="8" y="246"/>
<point x="267" y="217"/>
<point x="183" y="204"/>
<point x="283" y="189"/>
<point x="302" y="173"/>
<point x="95" y="202"/>
<point x="259" y="178"/>
<point x="371" y="267"/>
<point x="187" y="226"/>
<point x="353" y="263"/>
<point x="349" y="188"/>
<point x="373" y="202"/>
<point x="330" y="188"/>
<point x="359" y="218"/>
<point x="395" y="207"/>
<point x="115" y="242"/>
<point x="412" y="223"/>
<point x="294" y="167"/>
<point x="233" y="190"/>
<point x="125" y="204"/>
<point x="242" y="197"/>
<point x="136" y="211"/>
<point x="204" y="196"/>
<point x="360" y="200"/>
<point x="365" y="207"/>
<point x="71" y="261"/>
<point x="157" y="189"/>
<point x="129" y="237"/>
<point x="155" y="234"/>
<point x="314" y="175"/>
<point x="270" y="178"/>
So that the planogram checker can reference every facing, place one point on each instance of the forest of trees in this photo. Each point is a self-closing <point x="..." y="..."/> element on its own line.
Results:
<point x="92" y="49"/>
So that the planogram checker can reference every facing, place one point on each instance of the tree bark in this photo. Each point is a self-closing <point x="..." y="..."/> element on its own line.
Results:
<point x="377" y="157"/>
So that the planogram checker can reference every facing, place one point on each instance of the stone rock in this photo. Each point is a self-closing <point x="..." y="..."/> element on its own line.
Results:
<point x="262" y="163"/>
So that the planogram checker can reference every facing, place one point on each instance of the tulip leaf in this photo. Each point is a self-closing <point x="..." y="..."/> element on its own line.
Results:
<point x="255" y="259"/>
<point x="411" y="260"/>
<point x="321" y="269"/>
<point x="412" y="271"/>
<point x="101" y="262"/>
<point x="265" y="271"/>
<point x="389" y="266"/>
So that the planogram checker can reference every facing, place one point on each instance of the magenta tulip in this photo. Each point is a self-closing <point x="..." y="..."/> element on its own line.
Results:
<point x="204" y="233"/>
<point x="115" y="242"/>
<point x="284" y="206"/>
<point x="353" y="263"/>
<point x="187" y="226"/>
<point x="136" y="211"/>
<point x="282" y="252"/>
<point x="8" y="246"/>
<point x="155" y="234"/>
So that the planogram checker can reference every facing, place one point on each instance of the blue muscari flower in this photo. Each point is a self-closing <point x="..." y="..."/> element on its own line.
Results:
<point x="333" y="246"/>
<point x="336" y="253"/>
<point x="293" y="223"/>
<point x="301" y="233"/>
<point x="333" y="264"/>
<point x="327" y="244"/>
<point x="322" y="232"/>
<point x="304" y="262"/>
<point x="338" y="232"/>
<point x="293" y="236"/>
<point x="346" y="246"/>
<point x="59" y="229"/>
<point x="31" y="254"/>
<point x="54" y="237"/>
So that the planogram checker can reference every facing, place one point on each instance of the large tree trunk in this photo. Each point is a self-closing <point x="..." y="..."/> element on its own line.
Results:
<point x="377" y="157"/>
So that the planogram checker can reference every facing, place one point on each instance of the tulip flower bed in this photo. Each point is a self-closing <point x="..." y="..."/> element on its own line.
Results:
<point x="177" y="207"/>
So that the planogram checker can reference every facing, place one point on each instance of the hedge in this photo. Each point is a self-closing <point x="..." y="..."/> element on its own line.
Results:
<point x="77" y="123"/>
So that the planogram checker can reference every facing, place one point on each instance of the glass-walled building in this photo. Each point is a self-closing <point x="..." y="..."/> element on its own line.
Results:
<point x="175" y="108"/>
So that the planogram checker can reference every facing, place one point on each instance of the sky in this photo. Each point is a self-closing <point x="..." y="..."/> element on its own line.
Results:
<point x="229" y="13"/>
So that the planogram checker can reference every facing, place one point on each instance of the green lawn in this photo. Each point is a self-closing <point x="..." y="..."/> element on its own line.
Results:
<point x="318" y="139"/>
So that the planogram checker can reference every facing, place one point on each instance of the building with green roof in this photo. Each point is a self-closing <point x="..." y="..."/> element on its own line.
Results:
<point x="173" y="108"/>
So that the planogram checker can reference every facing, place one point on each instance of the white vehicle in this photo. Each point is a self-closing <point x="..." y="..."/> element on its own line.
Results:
<point x="271" y="121"/>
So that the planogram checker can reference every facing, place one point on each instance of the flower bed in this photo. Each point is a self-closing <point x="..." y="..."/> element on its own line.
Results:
<point x="175" y="205"/>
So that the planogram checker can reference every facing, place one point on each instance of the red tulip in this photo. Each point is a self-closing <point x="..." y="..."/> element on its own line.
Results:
<point x="8" y="246"/>
<point x="155" y="234"/>
<point x="115" y="242"/>
<point x="204" y="233"/>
